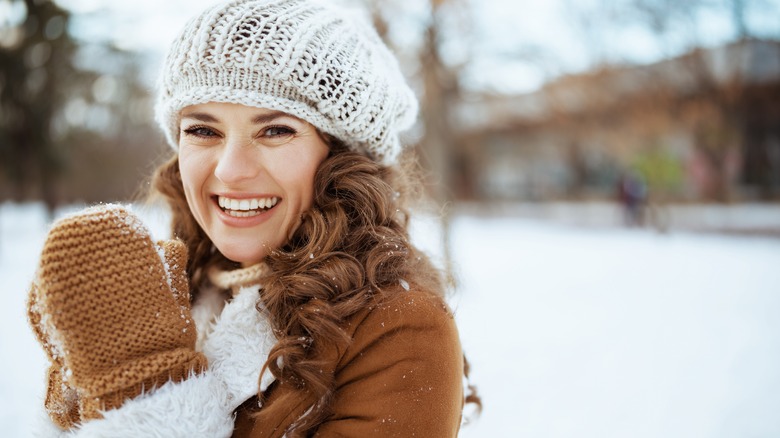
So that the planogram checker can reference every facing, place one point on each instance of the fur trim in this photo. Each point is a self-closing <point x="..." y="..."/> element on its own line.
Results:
<point x="44" y="427"/>
<point x="205" y="309"/>
<point x="196" y="407"/>
<point x="239" y="344"/>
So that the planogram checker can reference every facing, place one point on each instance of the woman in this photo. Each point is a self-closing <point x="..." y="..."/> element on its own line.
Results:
<point x="313" y="314"/>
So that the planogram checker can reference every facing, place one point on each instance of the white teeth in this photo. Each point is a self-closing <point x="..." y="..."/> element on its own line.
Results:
<point x="235" y="213"/>
<point x="245" y="207"/>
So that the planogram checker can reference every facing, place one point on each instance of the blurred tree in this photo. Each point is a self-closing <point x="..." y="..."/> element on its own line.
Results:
<point x="75" y="116"/>
<point x="722" y="120"/>
<point x="441" y="89"/>
<point x="714" y="101"/>
<point x="35" y="65"/>
<point x="107" y="126"/>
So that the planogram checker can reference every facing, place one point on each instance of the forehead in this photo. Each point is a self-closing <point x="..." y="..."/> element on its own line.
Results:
<point x="215" y="112"/>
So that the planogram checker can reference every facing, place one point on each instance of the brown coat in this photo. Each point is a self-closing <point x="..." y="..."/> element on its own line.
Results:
<point x="401" y="376"/>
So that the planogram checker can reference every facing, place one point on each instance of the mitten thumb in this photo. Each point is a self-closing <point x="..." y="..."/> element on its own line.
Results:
<point x="62" y="400"/>
<point x="35" y="318"/>
<point x="174" y="257"/>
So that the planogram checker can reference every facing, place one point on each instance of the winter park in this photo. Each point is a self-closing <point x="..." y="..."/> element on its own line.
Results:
<point x="600" y="181"/>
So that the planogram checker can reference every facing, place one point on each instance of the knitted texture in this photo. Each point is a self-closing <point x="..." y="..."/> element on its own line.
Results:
<point x="237" y="278"/>
<point x="318" y="62"/>
<point x="62" y="400"/>
<point x="112" y="309"/>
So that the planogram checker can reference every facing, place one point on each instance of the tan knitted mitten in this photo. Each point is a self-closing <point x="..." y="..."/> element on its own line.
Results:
<point x="111" y="309"/>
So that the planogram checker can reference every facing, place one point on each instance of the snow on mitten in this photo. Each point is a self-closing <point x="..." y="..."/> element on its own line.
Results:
<point x="175" y="258"/>
<point x="118" y="320"/>
<point x="62" y="400"/>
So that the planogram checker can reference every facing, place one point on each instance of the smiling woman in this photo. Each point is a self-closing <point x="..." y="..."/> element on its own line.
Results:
<point x="313" y="313"/>
<point x="235" y="158"/>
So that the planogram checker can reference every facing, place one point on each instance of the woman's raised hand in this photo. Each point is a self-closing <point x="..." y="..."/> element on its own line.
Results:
<point x="111" y="309"/>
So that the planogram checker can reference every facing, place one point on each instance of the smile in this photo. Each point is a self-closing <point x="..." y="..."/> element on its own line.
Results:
<point x="246" y="207"/>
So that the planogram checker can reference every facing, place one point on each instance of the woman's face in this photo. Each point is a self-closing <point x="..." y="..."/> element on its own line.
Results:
<point x="248" y="174"/>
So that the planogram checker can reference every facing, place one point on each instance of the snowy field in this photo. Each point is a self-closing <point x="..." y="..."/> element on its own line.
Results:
<point x="571" y="331"/>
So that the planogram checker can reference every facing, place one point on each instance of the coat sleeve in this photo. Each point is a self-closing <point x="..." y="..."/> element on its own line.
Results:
<point x="402" y="375"/>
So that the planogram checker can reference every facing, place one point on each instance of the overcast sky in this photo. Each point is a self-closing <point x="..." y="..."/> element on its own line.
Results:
<point x="504" y="34"/>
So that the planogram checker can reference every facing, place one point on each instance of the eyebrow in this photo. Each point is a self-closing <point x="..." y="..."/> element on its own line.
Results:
<point x="257" y="120"/>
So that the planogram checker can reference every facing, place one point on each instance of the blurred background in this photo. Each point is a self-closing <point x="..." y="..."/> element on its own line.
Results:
<point x="521" y="101"/>
<point x="604" y="178"/>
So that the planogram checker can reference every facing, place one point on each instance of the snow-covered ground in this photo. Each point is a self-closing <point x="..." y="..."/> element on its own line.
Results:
<point x="571" y="331"/>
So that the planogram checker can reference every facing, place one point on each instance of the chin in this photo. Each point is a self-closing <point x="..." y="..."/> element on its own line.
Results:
<point x="242" y="255"/>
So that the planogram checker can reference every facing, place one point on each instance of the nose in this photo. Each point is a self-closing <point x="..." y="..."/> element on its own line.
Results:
<point x="237" y="162"/>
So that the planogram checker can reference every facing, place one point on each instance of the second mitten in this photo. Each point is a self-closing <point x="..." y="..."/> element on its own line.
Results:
<point x="113" y="308"/>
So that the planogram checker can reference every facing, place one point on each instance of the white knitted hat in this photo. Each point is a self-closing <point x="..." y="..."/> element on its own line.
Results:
<point x="309" y="59"/>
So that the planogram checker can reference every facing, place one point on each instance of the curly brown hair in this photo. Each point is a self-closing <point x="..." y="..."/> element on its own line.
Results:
<point x="351" y="248"/>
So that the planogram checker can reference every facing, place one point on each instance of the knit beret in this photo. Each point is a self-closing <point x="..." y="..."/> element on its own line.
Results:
<point x="313" y="60"/>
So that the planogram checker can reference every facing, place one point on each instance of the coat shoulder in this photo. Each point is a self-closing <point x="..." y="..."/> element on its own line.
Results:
<point x="402" y="374"/>
<point x="417" y="312"/>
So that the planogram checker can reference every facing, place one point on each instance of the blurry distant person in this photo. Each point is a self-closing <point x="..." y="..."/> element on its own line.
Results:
<point x="293" y="302"/>
<point x="632" y="195"/>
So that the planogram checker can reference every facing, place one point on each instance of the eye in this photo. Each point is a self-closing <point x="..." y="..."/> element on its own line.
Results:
<point x="279" y="131"/>
<point x="200" y="131"/>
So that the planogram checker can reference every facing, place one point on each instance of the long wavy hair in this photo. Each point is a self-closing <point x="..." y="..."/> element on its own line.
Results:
<point x="351" y="248"/>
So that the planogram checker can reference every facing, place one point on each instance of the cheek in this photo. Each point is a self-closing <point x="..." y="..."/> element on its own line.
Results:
<point x="185" y="170"/>
<point x="308" y="171"/>
<point x="192" y="165"/>
<point x="305" y="185"/>
<point x="193" y="173"/>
